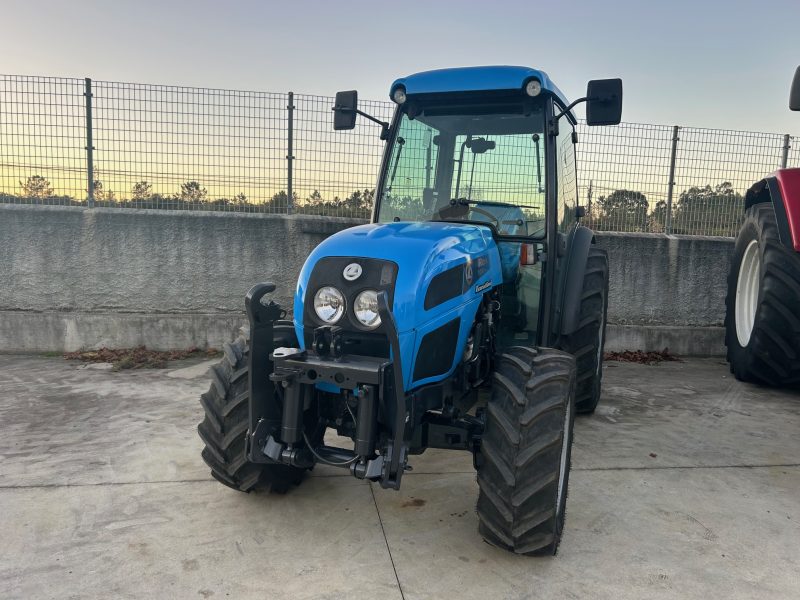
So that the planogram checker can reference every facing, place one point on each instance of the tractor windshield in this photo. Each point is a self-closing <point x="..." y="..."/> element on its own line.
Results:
<point x="468" y="164"/>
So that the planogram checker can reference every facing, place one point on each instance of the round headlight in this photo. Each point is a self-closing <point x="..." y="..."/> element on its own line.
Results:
<point x="366" y="309"/>
<point x="399" y="94"/>
<point x="533" y="87"/>
<point x="329" y="304"/>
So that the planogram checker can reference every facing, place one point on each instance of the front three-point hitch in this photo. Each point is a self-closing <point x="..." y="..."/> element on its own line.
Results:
<point x="388" y="424"/>
<point x="283" y="385"/>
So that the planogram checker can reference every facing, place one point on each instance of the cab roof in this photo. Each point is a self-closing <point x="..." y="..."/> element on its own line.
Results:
<point x="473" y="79"/>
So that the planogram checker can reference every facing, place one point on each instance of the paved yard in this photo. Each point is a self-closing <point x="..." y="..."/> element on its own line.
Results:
<point x="686" y="484"/>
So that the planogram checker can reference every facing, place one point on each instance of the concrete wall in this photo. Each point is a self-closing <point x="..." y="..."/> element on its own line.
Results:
<point x="77" y="259"/>
<point x="74" y="278"/>
<point x="667" y="292"/>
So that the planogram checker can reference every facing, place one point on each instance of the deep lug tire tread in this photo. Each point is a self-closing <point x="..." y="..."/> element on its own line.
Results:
<point x="582" y="343"/>
<point x="772" y="356"/>
<point x="521" y="450"/>
<point x="224" y="429"/>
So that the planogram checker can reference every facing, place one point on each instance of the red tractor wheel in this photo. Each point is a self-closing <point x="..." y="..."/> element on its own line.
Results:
<point x="762" y="324"/>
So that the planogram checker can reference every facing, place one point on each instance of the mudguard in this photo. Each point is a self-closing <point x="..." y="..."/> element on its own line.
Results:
<point x="578" y="246"/>
<point x="782" y="188"/>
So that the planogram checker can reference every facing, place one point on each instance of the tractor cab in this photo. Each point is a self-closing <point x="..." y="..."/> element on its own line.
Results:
<point x="490" y="146"/>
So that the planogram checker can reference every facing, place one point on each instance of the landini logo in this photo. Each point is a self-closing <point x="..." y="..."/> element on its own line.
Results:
<point x="352" y="272"/>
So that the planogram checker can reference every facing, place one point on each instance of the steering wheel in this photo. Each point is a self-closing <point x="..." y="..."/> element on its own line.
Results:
<point x="498" y="223"/>
<point x="481" y="211"/>
<point x="471" y="207"/>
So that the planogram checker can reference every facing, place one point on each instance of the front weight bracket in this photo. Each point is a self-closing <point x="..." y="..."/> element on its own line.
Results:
<point x="264" y="411"/>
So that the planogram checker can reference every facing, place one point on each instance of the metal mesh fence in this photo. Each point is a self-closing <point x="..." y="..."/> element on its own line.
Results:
<point x="714" y="168"/>
<point x="334" y="172"/>
<point x="188" y="148"/>
<point x="622" y="174"/>
<point x="166" y="147"/>
<point x="793" y="153"/>
<point x="42" y="140"/>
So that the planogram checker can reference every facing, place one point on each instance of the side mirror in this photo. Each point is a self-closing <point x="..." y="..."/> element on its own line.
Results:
<point x="794" y="94"/>
<point x="604" y="102"/>
<point x="344" y="110"/>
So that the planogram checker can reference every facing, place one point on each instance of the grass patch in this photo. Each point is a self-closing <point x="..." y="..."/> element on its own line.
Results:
<point x="140" y="357"/>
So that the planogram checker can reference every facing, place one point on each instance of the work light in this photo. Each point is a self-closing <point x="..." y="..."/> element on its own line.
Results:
<point x="533" y="87"/>
<point x="329" y="304"/>
<point x="399" y="94"/>
<point x="366" y="309"/>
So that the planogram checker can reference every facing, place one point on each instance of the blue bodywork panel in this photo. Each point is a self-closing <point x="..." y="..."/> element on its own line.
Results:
<point x="421" y="250"/>
<point x="506" y="220"/>
<point x="473" y="79"/>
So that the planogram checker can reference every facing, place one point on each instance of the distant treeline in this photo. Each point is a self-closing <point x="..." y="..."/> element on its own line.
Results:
<point x="698" y="210"/>
<point x="194" y="196"/>
<point x="703" y="210"/>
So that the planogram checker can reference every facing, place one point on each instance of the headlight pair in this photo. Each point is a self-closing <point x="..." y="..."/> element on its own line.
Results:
<point x="329" y="304"/>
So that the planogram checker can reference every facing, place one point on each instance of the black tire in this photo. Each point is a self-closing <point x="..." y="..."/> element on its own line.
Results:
<point x="224" y="428"/>
<point x="587" y="343"/>
<point x="526" y="450"/>
<point x="771" y="355"/>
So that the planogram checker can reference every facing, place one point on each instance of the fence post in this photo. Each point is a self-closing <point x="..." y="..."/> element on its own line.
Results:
<point x="290" y="155"/>
<point x="589" y="202"/>
<point x="89" y="145"/>
<point x="671" y="184"/>
<point x="785" y="154"/>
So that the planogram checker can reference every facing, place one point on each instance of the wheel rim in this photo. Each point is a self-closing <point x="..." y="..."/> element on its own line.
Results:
<point x="747" y="293"/>
<point x="562" y="470"/>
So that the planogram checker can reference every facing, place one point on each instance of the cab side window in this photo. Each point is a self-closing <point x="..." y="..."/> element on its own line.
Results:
<point x="565" y="171"/>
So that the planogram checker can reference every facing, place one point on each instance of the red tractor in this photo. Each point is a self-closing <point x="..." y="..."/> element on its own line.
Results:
<point x="762" y="324"/>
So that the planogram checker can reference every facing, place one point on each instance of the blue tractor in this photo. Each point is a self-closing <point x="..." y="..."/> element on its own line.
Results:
<point x="468" y="315"/>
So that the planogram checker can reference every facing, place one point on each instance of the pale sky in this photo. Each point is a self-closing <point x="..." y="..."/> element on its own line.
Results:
<point x="720" y="64"/>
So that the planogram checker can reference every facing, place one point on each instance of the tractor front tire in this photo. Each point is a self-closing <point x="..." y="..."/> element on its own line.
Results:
<point x="587" y="342"/>
<point x="526" y="447"/>
<point x="762" y="320"/>
<point x="224" y="428"/>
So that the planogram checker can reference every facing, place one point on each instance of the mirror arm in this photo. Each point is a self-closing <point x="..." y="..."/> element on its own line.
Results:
<point x="384" y="125"/>
<point x="570" y="107"/>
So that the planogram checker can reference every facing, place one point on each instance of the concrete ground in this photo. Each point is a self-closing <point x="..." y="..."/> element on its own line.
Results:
<point x="685" y="484"/>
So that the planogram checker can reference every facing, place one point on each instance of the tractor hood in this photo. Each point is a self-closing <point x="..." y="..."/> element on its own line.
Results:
<point x="421" y="250"/>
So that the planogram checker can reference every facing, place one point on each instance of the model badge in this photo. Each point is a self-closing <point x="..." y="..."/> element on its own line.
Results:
<point x="352" y="272"/>
<point x="483" y="286"/>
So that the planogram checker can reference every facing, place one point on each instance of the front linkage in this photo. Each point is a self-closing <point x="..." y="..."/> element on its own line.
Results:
<point x="276" y="429"/>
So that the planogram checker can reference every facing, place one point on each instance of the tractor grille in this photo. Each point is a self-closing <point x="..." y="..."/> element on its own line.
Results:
<point x="376" y="274"/>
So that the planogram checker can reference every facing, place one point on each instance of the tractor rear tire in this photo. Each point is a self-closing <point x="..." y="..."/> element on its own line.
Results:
<point x="525" y="452"/>
<point x="224" y="428"/>
<point x="587" y="343"/>
<point x="762" y="320"/>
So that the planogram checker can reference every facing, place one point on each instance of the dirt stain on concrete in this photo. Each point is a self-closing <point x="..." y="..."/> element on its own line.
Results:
<point x="190" y="565"/>
<point x="413" y="502"/>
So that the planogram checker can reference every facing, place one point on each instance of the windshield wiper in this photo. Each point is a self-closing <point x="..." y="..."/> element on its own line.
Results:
<point x="400" y="142"/>
<point x="467" y="202"/>
<point x="464" y="144"/>
<point x="535" y="138"/>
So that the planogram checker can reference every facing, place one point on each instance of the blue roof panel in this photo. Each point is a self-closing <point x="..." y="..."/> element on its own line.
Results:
<point x="470" y="79"/>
